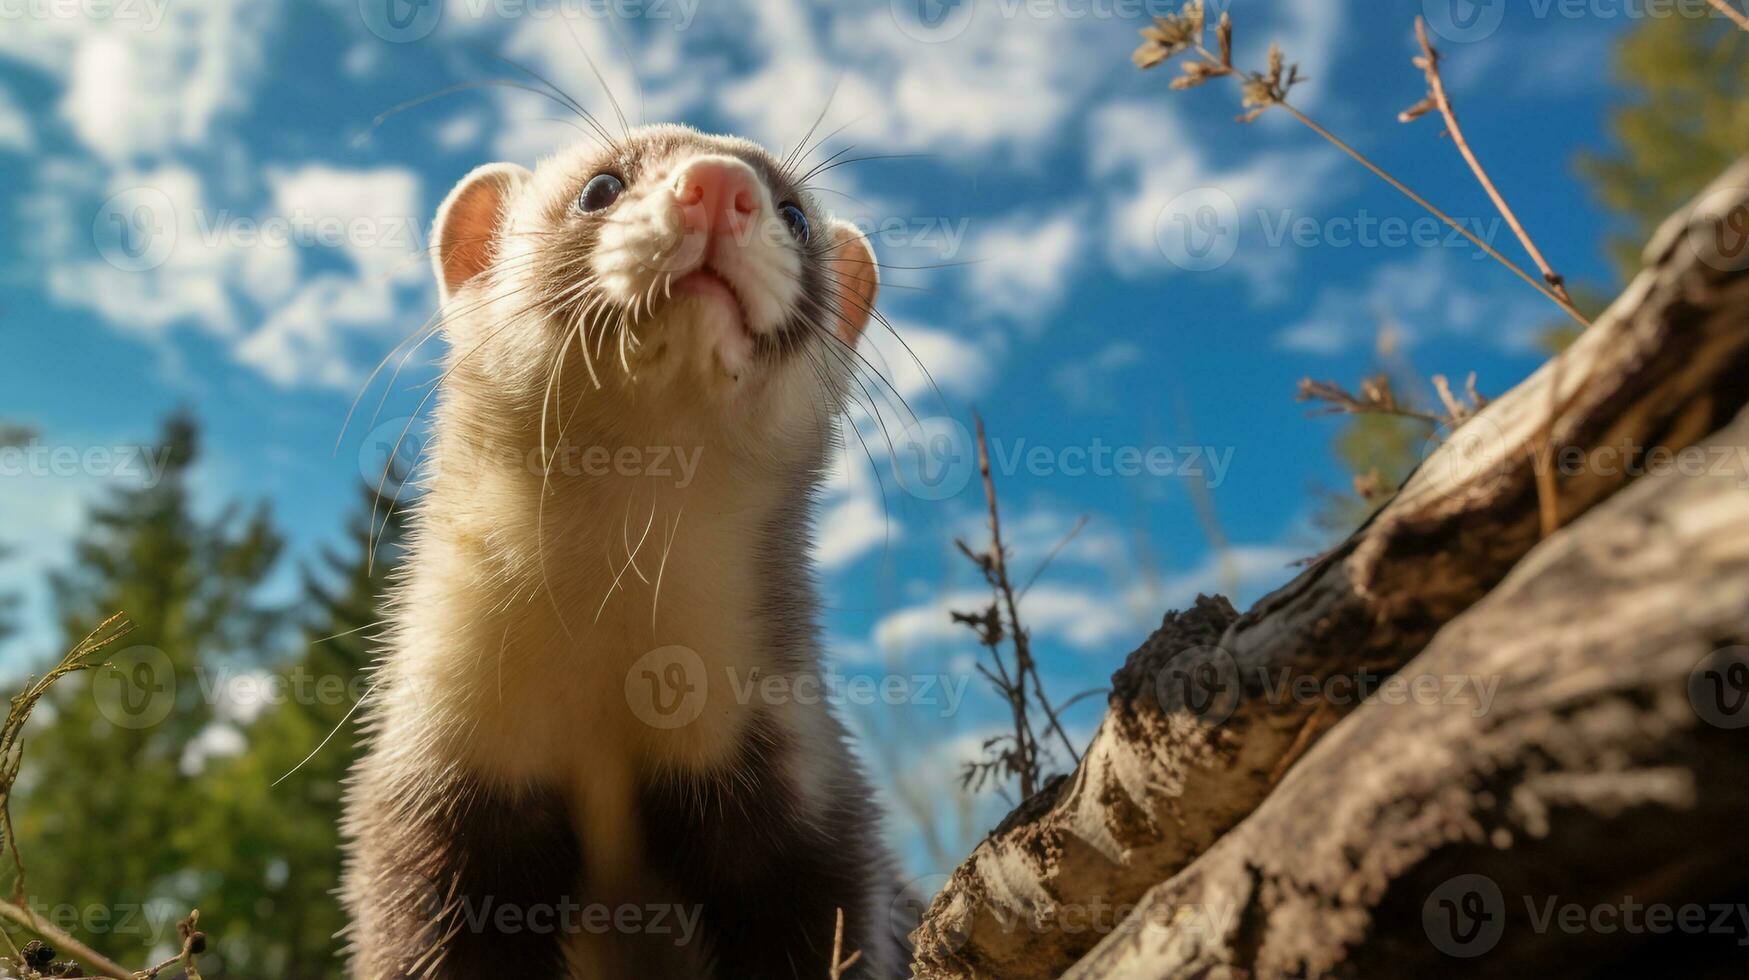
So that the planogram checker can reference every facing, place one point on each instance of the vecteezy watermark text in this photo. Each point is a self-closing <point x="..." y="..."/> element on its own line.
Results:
<point x="935" y="459"/>
<point x="145" y="464"/>
<point x="1468" y="915"/>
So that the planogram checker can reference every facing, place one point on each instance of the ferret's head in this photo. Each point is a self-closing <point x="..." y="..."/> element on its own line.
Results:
<point x="670" y="282"/>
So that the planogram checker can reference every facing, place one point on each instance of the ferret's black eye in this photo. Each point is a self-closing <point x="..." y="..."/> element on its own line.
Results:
<point x="601" y="191"/>
<point x="794" y="219"/>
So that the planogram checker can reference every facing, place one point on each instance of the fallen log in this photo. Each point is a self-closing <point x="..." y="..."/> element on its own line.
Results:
<point x="1590" y="803"/>
<point x="1207" y="715"/>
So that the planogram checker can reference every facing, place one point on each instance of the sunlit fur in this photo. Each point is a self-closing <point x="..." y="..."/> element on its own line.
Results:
<point x="529" y="590"/>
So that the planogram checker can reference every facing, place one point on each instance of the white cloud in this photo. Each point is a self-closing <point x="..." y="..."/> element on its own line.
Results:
<point x="305" y="341"/>
<point x="373" y="216"/>
<point x="213" y="265"/>
<point x="650" y="79"/>
<point x="139" y="86"/>
<point x="1149" y="158"/>
<point x="1109" y="618"/>
<point x="1023" y="264"/>
<point x="461" y="131"/>
<point x="1436" y="292"/>
<point x="1083" y="619"/>
<point x="161" y="213"/>
<point x="854" y="520"/>
<point x="1086" y="382"/>
<point x="16" y="132"/>
<point x="1032" y="535"/>
<point x="910" y="356"/>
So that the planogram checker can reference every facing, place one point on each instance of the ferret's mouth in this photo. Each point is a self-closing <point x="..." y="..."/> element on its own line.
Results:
<point x="713" y="287"/>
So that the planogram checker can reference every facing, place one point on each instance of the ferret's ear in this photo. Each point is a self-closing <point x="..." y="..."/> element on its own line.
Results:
<point x="855" y="279"/>
<point x="467" y="225"/>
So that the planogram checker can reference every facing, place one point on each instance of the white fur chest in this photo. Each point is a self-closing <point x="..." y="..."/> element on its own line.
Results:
<point x="606" y="639"/>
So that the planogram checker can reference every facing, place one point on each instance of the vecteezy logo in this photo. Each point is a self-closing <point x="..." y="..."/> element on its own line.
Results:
<point x="668" y="687"/>
<point x="1465" y="916"/>
<point x="135" y="688"/>
<point x="135" y="230"/>
<point x="932" y="21"/>
<point x="909" y="905"/>
<point x="400" y="21"/>
<point x="1718" y="231"/>
<point x="1469" y="461"/>
<point x="390" y="452"/>
<point x="934" y="458"/>
<point x="1202" y="680"/>
<point x="1462" y="21"/>
<point x="1718" y="688"/>
<point x="1199" y="229"/>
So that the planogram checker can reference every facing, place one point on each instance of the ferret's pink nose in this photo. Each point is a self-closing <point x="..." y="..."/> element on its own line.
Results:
<point x="716" y="193"/>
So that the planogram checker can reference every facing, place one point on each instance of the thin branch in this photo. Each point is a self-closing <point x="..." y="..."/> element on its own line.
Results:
<point x="1024" y="664"/>
<point x="1737" y="16"/>
<point x="1043" y="566"/>
<point x="839" y="962"/>
<point x="108" y="968"/>
<point x="1170" y="36"/>
<point x="1376" y="397"/>
<point x="1437" y="97"/>
<point x="1432" y="209"/>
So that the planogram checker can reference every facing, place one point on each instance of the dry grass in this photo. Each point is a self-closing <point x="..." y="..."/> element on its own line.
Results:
<point x="39" y="958"/>
<point x="1015" y="754"/>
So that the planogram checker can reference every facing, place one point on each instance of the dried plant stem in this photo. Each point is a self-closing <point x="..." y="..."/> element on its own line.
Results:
<point x="1434" y="210"/>
<point x="109" y="969"/>
<point x="1545" y="476"/>
<point x="1737" y="16"/>
<point x="1024" y="666"/>
<point x="1429" y="63"/>
<point x="12" y="729"/>
<point x="839" y="962"/>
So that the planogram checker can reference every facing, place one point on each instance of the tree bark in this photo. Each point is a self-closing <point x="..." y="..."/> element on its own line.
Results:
<point x="1209" y="713"/>
<point x="1570" y="750"/>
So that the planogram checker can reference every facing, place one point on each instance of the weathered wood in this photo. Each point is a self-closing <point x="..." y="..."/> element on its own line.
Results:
<point x="1199" y="726"/>
<point x="1594" y="771"/>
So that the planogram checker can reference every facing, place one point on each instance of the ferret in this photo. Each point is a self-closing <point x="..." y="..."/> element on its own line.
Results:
<point x="590" y="752"/>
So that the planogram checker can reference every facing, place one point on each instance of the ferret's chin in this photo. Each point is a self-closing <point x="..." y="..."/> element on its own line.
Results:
<point x="709" y="336"/>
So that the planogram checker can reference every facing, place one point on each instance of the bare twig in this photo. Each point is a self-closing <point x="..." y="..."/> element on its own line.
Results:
<point x="1453" y="223"/>
<point x="1736" y="16"/>
<point x="1456" y="409"/>
<point x="1377" y="397"/>
<point x="1015" y="754"/>
<point x="1438" y="98"/>
<point x="1265" y="90"/>
<point x="1025" y="666"/>
<point x="1548" y="508"/>
<point x="1262" y="91"/>
<point x="1063" y="542"/>
<point x="106" y="967"/>
<point x="12" y="751"/>
<point x="840" y="963"/>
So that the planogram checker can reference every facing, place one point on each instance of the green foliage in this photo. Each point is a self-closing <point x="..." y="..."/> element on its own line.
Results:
<point x="1381" y="451"/>
<point x="124" y="822"/>
<point x="105" y="806"/>
<point x="274" y="893"/>
<point x="1687" y="119"/>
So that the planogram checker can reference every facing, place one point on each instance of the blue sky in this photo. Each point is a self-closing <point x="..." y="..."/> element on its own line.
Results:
<point x="200" y="213"/>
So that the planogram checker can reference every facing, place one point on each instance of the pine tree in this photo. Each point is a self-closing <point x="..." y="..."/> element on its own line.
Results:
<point x="10" y="436"/>
<point x="1685" y="121"/>
<point x="105" y="805"/>
<point x="277" y="805"/>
